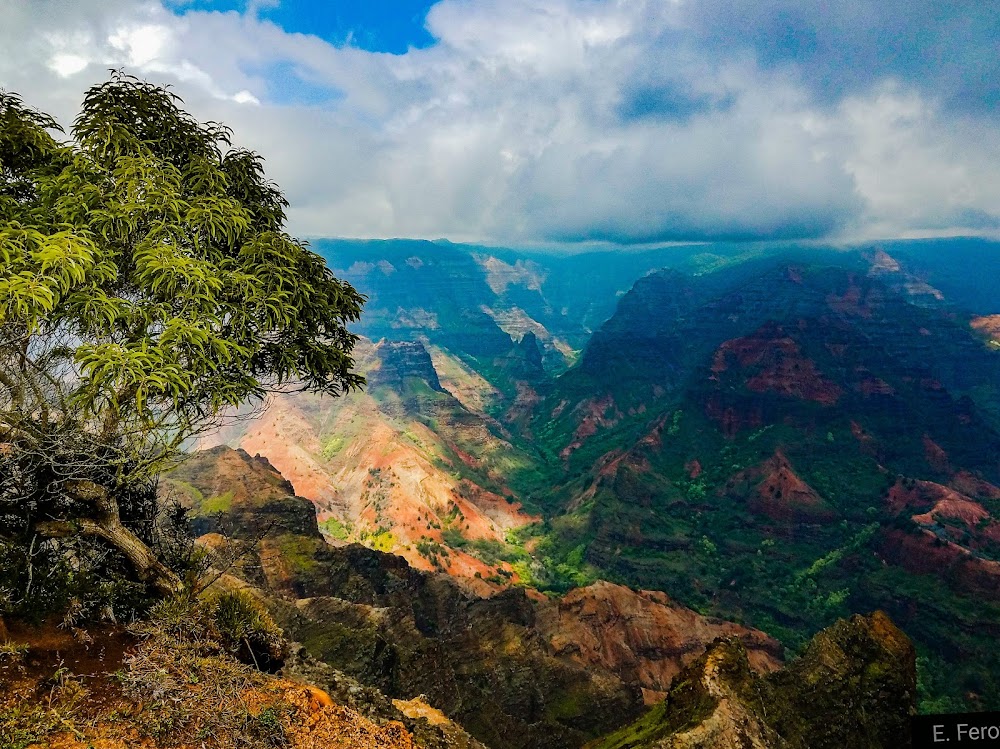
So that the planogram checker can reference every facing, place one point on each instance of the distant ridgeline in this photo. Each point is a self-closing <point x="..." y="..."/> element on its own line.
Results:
<point x="779" y="436"/>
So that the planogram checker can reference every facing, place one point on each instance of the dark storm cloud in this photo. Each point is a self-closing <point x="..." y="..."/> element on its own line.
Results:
<point x="949" y="50"/>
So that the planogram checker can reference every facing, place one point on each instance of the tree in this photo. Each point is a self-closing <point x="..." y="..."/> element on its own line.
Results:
<point x="146" y="286"/>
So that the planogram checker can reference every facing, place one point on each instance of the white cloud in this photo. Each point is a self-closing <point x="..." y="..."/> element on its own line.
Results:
<point x="922" y="172"/>
<point x="535" y="120"/>
<point x="65" y="65"/>
<point x="245" y="97"/>
<point x="142" y="44"/>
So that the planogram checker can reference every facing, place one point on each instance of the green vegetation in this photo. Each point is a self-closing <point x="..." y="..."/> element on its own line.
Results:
<point x="333" y="446"/>
<point x="246" y="629"/>
<point x="687" y="705"/>
<point x="678" y="511"/>
<point x="336" y="529"/>
<point x="26" y="724"/>
<point x="434" y="552"/>
<point x="297" y="552"/>
<point x="146" y="284"/>
<point x="381" y="539"/>
<point x="453" y="537"/>
<point x="219" y="503"/>
<point x="185" y="644"/>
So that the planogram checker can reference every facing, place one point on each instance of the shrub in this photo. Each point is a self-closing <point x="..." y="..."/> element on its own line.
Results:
<point x="248" y="631"/>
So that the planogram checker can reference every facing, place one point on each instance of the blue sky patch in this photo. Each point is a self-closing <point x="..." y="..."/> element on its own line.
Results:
<point x="374" y="25"/>
<point x="289" y="84"/>
<point x="669" y="102"/>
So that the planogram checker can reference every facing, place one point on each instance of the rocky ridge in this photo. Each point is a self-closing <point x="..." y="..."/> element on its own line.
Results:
<point x="854" y="686"/>
<point x="514" y="669"/>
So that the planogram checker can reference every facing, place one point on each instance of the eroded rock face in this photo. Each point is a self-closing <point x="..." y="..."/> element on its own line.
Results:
<point x="373" y="617"/>
<point x="230" y="492"/>
<point x="855" y="686"/>
<point x="399" y="360"/>
<point x="953" y="534"/>
<point x="775" y="490"/>
<point x="518" y="671"/>
<point x="773" y="362"/>
<point x="989" y="327"/>
<point x="481" y="661"/>
<point x="512" y="669"/>
<point x="404" y="467"/>
<point x="643" y="637"/>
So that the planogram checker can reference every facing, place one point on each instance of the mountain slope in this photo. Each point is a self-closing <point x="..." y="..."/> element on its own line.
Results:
<point x="516" y="670"/>
<point x="736" y="440"/>
<point x="866" y="662"/>
<point x="403" y="467"/>
<point x="734" y="432"/>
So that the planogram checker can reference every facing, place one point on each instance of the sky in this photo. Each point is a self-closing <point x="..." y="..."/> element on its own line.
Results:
<point x="567" y="122"/>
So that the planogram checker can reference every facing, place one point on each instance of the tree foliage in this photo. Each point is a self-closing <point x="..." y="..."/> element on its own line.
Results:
<point x="146" y="286"/>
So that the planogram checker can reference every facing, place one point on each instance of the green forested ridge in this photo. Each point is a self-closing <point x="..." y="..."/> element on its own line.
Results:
<point x="655" y="521"/>
<point x="623" y="501"/>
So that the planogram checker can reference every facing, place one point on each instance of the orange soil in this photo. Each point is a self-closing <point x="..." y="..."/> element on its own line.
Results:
<point x="382" y="479"/>
<point x="103" y="717"/>
<point x="974" y="486"/>
<point x="936" y="505"/>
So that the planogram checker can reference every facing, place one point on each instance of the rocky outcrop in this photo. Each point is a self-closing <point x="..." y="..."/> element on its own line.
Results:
<point x="642" y="637"/>
<point x="513" y="669"/>
<point x="772" y="488"/>
<point x="374" y="618"/>
<point x="228" y="491"/>
<point x="482" y="661"/>
<point x="526" y="358"/>
<point x="400" y="360"/>
<point x="854" y="686"/>
<point x="430" y="728"/>
<point x="989" y="327"/>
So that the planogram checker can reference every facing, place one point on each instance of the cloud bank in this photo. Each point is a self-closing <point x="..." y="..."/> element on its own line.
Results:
<point x="619" y="121"/>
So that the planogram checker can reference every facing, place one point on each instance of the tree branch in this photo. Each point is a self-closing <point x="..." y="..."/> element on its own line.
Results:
<point x="108" y="527"/>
